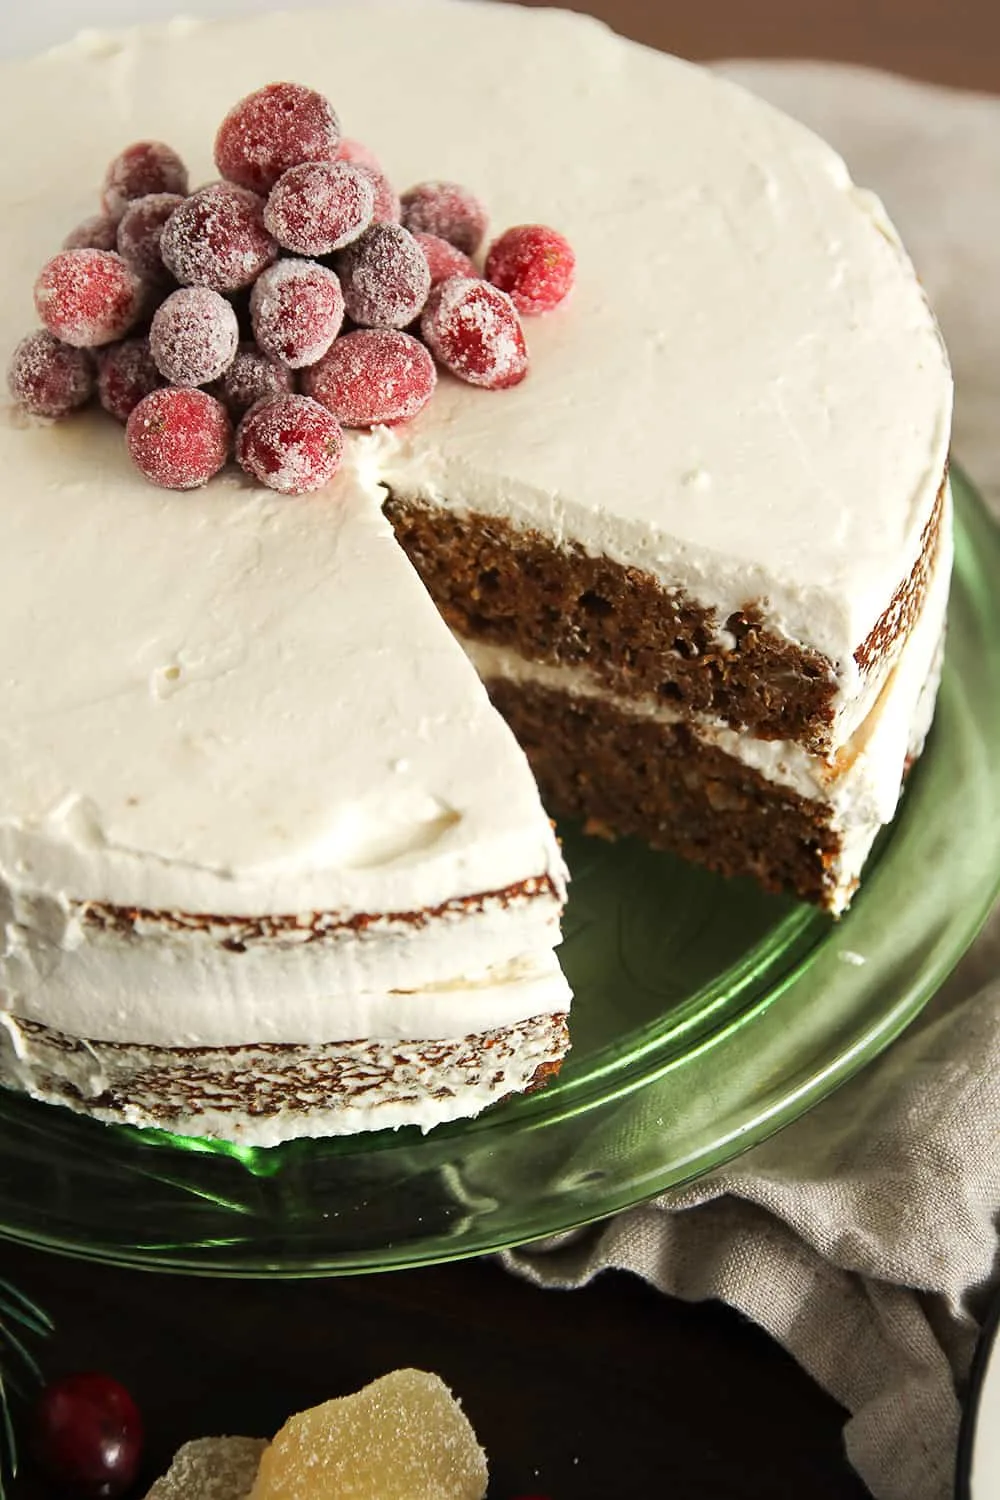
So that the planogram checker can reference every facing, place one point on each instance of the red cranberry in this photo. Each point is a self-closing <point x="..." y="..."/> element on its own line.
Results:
<point x="88" y="297"/>
<point x="87" y="1436"/>
<point x="253" y="376"/>
<point x="140" y="232"/>
<point x="387" y="205"/>
<point x="472" y="328"/>
<point x="448" y="210"/>
<point x="320" y="207"/>
<point x="99" y="232"/>
<point x="126" y="373"/>
<point x="443" y="260"/>
<point x="276" y="128"/>
<point x="193" y="336"/>
<point x="358" y="154"/>
<point x="147" y="167"/>
<point x="217" y="238"/>
<point x="385" y="277"/>
<point x="291" y="444"/>
<point x="49" y="378"/>
<point x="297" y="308"/>
<point x="179" y="437"/>
<point x="377" y="375"/>
<point x="534" y="265"/>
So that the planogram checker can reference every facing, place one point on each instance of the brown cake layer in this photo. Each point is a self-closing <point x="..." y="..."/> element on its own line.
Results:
<point x="513" y="587"/>
<point x="632" y="775"/>
<point x="180" y="1088"/>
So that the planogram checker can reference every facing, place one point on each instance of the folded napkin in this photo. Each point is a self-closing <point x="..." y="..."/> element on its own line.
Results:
<point x="863" y="1237"/>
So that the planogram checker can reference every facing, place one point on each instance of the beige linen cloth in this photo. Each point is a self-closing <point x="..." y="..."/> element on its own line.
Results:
<point x="863" y="1236"/>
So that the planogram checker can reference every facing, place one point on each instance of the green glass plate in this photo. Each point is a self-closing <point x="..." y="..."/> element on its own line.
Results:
<point x="707" y="1016"/>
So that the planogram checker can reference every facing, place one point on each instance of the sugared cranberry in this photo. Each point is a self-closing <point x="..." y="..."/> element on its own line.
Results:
<point x="472" y="328"/>
<point x="88" y="297"/>
<point x="291" y="444"/>
<point x="388" y="209"/>
<point x="443" y="260"/>
<point x="448" y="210"/>
<point x="140" y="231"/>
<point x="193" y="336"/>
<point x="377" y="375"/>
<point x="385" y="277"/>
<point x="275" y="128"/>
<point x="99" y="232"/>
<point x="320" y="207"/>
<point x="87" y="1436"/>
<point x="534" y="265"/>
<point x="297" y="308"/>
<point x="217" y="238"/>
<point x="49" y="378"/>
<point x="179" y="437"/>
<point x="147" y="167"/>
<point x="253" y="376"/>
<point x="358" y="154"/>
<point x="126" y="373"/>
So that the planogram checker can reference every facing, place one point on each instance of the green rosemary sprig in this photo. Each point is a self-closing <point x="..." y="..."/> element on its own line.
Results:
<point x="17" y="1312"/>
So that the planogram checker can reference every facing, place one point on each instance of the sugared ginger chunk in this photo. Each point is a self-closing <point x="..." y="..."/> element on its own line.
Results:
<point x="473" y="329"/>
<point x="179" y="438"/>
<point x="146" y="167"/>
<point x="403" y="1437"/>
<point x="448" y="210"/>
<point x="376" y="375"/>
<point x="48" y="378"/>
<point x="534" y="265"/>
<point x="214" y="1468"/>
<point x="88" y="297"/>
<point x="276" y="128"/>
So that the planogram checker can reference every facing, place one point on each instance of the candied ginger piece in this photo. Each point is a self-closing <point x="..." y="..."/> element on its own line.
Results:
<point x="403" y="1437"/>
<point x="212" y="1468"/>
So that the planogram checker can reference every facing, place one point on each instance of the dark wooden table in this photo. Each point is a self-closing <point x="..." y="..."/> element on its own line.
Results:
<point x="613" y="1391"/>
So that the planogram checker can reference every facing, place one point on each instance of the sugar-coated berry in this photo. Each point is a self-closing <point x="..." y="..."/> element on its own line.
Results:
<point x="385" y="277"/>
<point x="275" y="128"/>
<point x="358" y="154"/>
<point x="443" y="260"/>
<point x="140" y="231"/>
<point x="217" y="238"/>
<point x="253" y="376"/>
<point x="388" y="209"/>
<point x="193" y="336"/>
<point x="179" y="437"/>
<point x="534" y="265"/>
<point x="126" y="374"/>
<point x="143" y="168"/>
<point x="87" y="1436"/>
<point x="88" y="297"/>
<point x="376" y="375"/>
<point x="290" y="443"/>
<point x="472" y="328"/>
<point x="49" y="378"/>
<point x="320" y="207"/>
<point x="448" y="210"/>
<point x="297" y="308"/>
<point x="99" y="232"/>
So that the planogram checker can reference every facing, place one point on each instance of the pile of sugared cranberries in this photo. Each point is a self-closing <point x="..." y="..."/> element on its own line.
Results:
<point x="353" y="295"/>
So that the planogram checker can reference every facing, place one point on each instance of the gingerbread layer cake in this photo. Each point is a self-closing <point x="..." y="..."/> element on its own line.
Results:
<point x="270" y="863"/>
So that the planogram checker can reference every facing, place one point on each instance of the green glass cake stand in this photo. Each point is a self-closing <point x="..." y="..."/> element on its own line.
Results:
<point x="707" y="1016"/>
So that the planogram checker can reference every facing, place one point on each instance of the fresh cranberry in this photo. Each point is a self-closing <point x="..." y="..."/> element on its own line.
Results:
<point x="443" y="260"/>
<point x="253" y="376"/>
<point x="217" y="238"/>
<point x="99" y="232"/>
<point x="140" y="231"/>
<point x="126" y="373"/>
<point x="193" y="336"/>
<point x="275" y="128"/>
<point x="297" y="308"/>
<point x="472" y="328"/>
<point x="320" y="207"/>
<point x="88" y="297"/>
<point x="49" y="378"/>
<point x="448" y="210"/>
<point x="377" y="375"/>
<point x="385" y="277"/>
<point x="179" y="437"/>
<point x="534" y="265"/>
<point x="290" y="443"/>
<point x="147" y="167"/>
<point x="358" y="154"/>
<point x="87" y="1436"/>
<point x="387" y="206"/>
